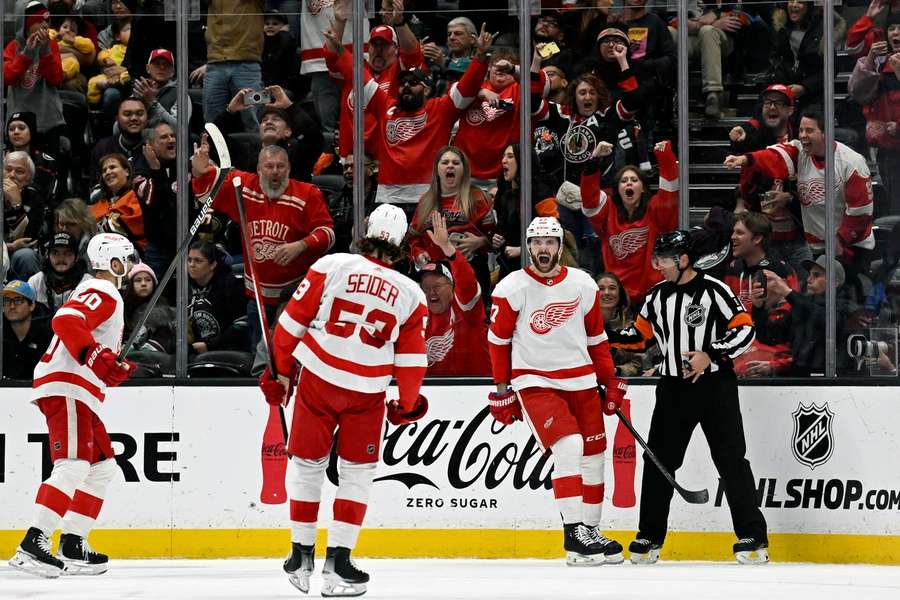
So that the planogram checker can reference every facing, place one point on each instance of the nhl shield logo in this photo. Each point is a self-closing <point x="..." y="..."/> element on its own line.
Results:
<point x="695" y="315"/>
<point x="813" y="441"/>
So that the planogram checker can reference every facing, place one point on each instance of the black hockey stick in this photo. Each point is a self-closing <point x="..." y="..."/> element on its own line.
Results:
<point x="224" y="169"/>
<point x="691" y="497"/>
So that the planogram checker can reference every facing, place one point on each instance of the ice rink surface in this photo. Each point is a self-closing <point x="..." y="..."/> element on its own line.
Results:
<point x="470" y="580"/>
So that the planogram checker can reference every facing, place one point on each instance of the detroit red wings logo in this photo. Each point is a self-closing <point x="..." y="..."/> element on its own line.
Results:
<point x="484" y="112"/>
<point x="404" y="128"/>
<point x="553" y="315"/>
<point x="629" y="241"/>
<point x="438" y="347"/>
<point x="316" y="6"/>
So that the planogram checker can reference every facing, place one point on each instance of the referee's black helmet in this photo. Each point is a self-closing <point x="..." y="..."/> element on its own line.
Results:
<point x="674" y="243"/>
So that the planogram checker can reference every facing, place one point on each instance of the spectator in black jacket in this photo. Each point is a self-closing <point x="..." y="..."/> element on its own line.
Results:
<point x="131" y="119"/>
<point x="26" y="214"/>
<point x="25" y="336"/>
<point x="217" y="310"/>
<point x="21" y="134"/>
<point x="280" y="65"/>
<point x="282" y="123"/>
<point x="154" y="185"/>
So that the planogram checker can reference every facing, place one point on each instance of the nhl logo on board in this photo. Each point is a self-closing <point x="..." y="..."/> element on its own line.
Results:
<point x="813" y="441"/>
<point x="695" y="315"/>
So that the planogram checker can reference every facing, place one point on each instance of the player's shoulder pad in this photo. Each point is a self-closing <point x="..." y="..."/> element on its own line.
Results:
<point x="329" y="262"/>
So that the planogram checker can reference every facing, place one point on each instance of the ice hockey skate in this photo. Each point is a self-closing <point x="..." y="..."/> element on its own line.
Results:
<point x="749" y="551"/>
<point x="299" y="565"/>
<point x="582" y="546"/>
<point x="33" y="556"/>
<point x="612" y="550"/>
<point x="644" y="552"/>
<point x="342" y="578"/>
<point x="78" y="556"/>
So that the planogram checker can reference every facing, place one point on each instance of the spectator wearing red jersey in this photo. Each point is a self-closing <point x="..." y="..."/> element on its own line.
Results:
<point x="630" y="222"/>
<point x="289" y="224"/>
<point x="468" y="212"/>
<point x="491" y="123"/>
<point x="748" y="246"/>
<point x="870" y="27"/>
<point x="32" y="72"/>
<point x="414" y="125"/>
<point x="456" y="332"/>
<point x="390" y="50"/>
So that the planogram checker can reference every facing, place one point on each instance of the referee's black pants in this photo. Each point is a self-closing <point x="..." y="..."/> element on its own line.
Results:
<point x="680" y="405"/>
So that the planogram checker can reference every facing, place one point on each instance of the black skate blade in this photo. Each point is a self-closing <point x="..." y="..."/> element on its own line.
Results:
<point x="28" y="564"/>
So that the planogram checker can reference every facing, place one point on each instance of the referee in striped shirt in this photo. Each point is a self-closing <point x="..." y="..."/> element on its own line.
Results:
<point x="700" y="327"/>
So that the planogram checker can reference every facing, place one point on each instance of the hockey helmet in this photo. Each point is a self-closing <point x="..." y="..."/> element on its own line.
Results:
<point x="674" y="244"/>
<point x="387" y="222"/>
<point x="545" y="227"/>
<point x="104" y="247"/>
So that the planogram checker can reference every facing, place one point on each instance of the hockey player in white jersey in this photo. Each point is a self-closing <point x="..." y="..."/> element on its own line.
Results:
<point x="548" y="352"/>
<point x="69" y="387"/>
<point x="352" y="324"/>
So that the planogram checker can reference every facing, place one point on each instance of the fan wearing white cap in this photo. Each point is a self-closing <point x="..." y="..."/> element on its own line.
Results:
<point x="548" y="353"/>
<point x="353" y="323"/>
<point x="70" y="385"/>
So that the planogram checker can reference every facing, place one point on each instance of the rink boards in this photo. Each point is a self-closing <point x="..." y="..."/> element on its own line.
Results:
<point x="458" y="484"/>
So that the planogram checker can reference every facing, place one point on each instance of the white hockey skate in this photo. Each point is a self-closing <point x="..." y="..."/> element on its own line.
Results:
<point x="341" y="577"/>
<point x="749" y="551"/>
<point x="79" y="557"/>
<point x="33" y="556"/>
<point x="300" y="565"/>
<point x="582" y="546"/>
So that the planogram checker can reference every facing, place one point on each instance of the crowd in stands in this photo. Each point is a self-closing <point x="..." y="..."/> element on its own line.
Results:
<point x="91" y="145"/>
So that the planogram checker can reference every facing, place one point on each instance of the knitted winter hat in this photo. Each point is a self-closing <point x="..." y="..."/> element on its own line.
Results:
<point x="142" y="268"/>
<point x="29" y="118"/>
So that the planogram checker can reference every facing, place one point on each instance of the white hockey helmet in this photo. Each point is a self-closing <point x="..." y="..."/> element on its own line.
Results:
<point x="387" y="222"/>
<point x="545" y="227"/>
<point x="104" y="247"/>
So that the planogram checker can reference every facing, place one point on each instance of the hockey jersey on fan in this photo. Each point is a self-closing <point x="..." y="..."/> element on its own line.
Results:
<point x="59" y="373"/>
<point x="853" y="205"/>
<point x="628" y="245"/>
<point x="315" y="17"/>
<point x="300" y="213"/>
<point x="548" y="332"/>
<point x="355" y="322"/>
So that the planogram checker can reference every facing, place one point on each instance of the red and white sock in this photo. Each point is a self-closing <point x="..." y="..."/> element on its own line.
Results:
<point x="592" y="488"/>
<point x="567" y="484"/>
<point x="350" y="502"/>
<point x="88" y="498"/>
<point x="55" y="495"/>
<point x="304" y="488"/>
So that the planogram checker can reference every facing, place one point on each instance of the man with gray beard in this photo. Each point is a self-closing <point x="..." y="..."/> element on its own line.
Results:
<point x="288" y="221"/>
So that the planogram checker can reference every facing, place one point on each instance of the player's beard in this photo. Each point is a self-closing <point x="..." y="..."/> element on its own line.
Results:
<point x="546" y="267"/>
<point x="271" y="191"/>
<point x="411" y="101"/>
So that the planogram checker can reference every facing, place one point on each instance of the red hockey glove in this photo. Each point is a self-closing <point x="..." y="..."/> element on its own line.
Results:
<point x="276" y="390"/>
<point x="105" y="365"/>
<point x="505" y="406"/>
<point x="615" y="394"/>
<point x="397" y="415"/>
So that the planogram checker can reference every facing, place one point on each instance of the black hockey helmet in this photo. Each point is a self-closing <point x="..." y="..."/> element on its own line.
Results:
<point x="674" y="243"/>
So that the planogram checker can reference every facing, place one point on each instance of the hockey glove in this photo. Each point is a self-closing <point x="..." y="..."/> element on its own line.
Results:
<point x="105" y="365"/>
<point x="615" y="394"/>
<point x="397" y="415"/>
<point x="276" y="390"/>
<point x="505" y="407"/>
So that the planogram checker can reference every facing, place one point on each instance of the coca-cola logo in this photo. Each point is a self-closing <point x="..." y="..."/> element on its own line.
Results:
<point x="273" y="451"/>
<point x="468" y="452"/>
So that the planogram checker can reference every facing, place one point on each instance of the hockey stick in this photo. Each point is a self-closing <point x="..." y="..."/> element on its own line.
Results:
<point x="224" y="169"/>
<point x="274" y="439"/>
<point x="691" y="497"/>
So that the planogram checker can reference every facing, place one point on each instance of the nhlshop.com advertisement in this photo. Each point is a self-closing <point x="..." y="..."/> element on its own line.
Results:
<point x="190" y="458"/>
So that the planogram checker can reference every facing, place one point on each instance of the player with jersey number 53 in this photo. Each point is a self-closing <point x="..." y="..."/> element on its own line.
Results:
<point x="353" y="323"/>
<point x="547" y="342"/>
<point x="69" y="387"/>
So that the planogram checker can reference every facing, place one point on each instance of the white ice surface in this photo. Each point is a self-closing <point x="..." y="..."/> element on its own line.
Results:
<point x="470" y="580"/>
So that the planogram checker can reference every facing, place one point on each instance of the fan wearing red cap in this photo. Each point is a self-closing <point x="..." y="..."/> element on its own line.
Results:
<point x="392" y="48"/>
<point x="158" y="91"/>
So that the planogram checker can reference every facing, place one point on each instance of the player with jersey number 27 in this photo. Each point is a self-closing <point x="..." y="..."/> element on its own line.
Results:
<point x="353" y="323"/>
<point x="69" y="387"/>
<point x="547" y="342"/>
